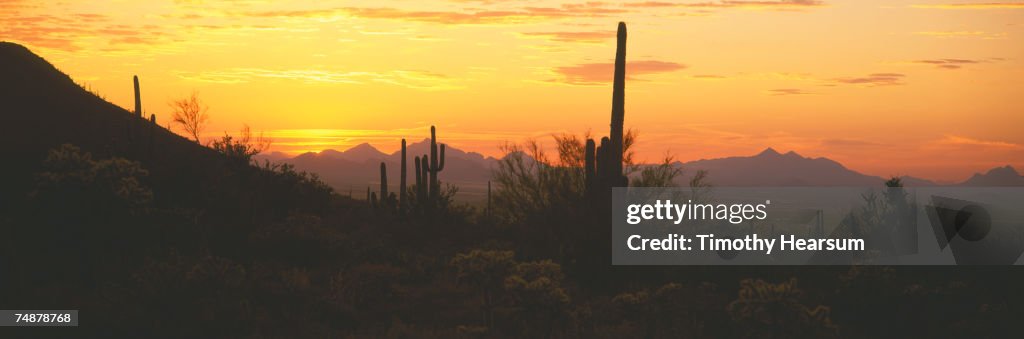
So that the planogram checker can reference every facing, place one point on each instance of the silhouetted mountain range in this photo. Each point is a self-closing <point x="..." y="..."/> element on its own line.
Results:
<point x="770" y="168"/>
<point x="999" y="176"/>
<point x="358" y="167"/>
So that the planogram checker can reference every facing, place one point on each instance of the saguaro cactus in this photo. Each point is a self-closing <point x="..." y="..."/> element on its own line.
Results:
<point x="152" y="132"/>
<point x="138" y="97"/>
<point x="436" y="164"/>
<point x="421" y="195"/>
<point x="604" y="162"/>
<point x="419" y="175"/>
<point x="589" y="164"/>
<point x="425" y="170"/>
<point x="603" y="165"/>
<point x="383" y="181"/>
<point x="401" y="185"/>
<point x="618" y="106"/>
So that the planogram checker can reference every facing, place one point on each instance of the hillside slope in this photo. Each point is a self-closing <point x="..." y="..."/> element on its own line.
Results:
<point x="44" y="108"/>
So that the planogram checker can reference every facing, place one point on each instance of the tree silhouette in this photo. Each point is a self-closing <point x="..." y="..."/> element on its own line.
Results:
<point x="190" y="113"/>
<point x="530" y="182"/>
<point x="660" y="175"/>
<point x="243" y="147"/>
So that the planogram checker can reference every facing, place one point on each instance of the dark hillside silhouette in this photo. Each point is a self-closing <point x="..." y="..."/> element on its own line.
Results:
<point x="44" y="108"/>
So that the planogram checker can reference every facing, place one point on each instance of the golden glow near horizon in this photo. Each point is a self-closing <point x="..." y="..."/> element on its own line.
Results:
<point x="929" y="88"/>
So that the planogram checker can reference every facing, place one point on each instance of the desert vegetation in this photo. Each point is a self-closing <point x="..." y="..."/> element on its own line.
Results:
<point x="150" y="234"/>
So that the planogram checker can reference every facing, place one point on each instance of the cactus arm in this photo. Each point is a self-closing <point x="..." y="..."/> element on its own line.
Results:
<point x="433" y="162"/>
<point x="589" y="163"/>
<point x="419" y="178"/>
<point x="440" y="160"/>
<point x="401" y="185"/>
<point x="426" y="178"/>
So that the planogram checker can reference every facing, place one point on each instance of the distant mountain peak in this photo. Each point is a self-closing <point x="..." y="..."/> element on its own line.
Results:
<point x="768" y="152"/>
<point x="772" y="153"/>
<point x="1001" y="172"/>
<point x="770" y="168"/>
<point x="362" y="146"/>
<point x="999" y="176"/>
<point x="1005" y="170"/>
<point x="362" y="152"/>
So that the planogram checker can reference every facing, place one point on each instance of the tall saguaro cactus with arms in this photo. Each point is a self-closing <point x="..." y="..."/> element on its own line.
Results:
<point x="604" y="163"/>
<point x="436" y="164"/>
<point x="427" y="189"/>
<point x="618" y="105"/>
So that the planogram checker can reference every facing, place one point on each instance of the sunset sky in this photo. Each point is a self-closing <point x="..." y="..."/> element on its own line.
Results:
<point x="930" y="88"/>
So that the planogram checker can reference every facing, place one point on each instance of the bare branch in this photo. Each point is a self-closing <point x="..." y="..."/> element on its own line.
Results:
<point x="190" y="114"/>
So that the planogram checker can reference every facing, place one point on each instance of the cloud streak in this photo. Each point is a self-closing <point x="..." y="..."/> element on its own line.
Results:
<point x="762" y="5"/>
<point x="873" y="80"/>
<point x="948" y="63"/>
<point x="974" y="6"/>
<point x="963" y="34"/>
<point x="467" y="17"/>
<point x="601" y="73"/>
<point x="414" y="79"/>
<point x="583" y="37"/>
<point x="788" y="91"/>
<point x="66" y="32"/>
<point x="956" y="140"/>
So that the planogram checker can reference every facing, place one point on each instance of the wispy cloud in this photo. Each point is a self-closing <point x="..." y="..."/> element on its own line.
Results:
<point x="763" y="5"/>
<point x="963" y="34"/>
<point x="788" y="91"/>
<point x="601" y="73"/>
<point x="66" y="32"/>
<point x="414" y="79"/>
<point x="956" y="140"/>
<point x="872" y="80"/>
<point x="985" y="5"/>
<point x="585" y="37"/>
<point x="948" y="63"/>
<point x="709" y="77"/>
<point x="455" y="17"/>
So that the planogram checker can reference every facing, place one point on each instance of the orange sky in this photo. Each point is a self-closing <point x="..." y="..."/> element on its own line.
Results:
<point x="930" y="88"/>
